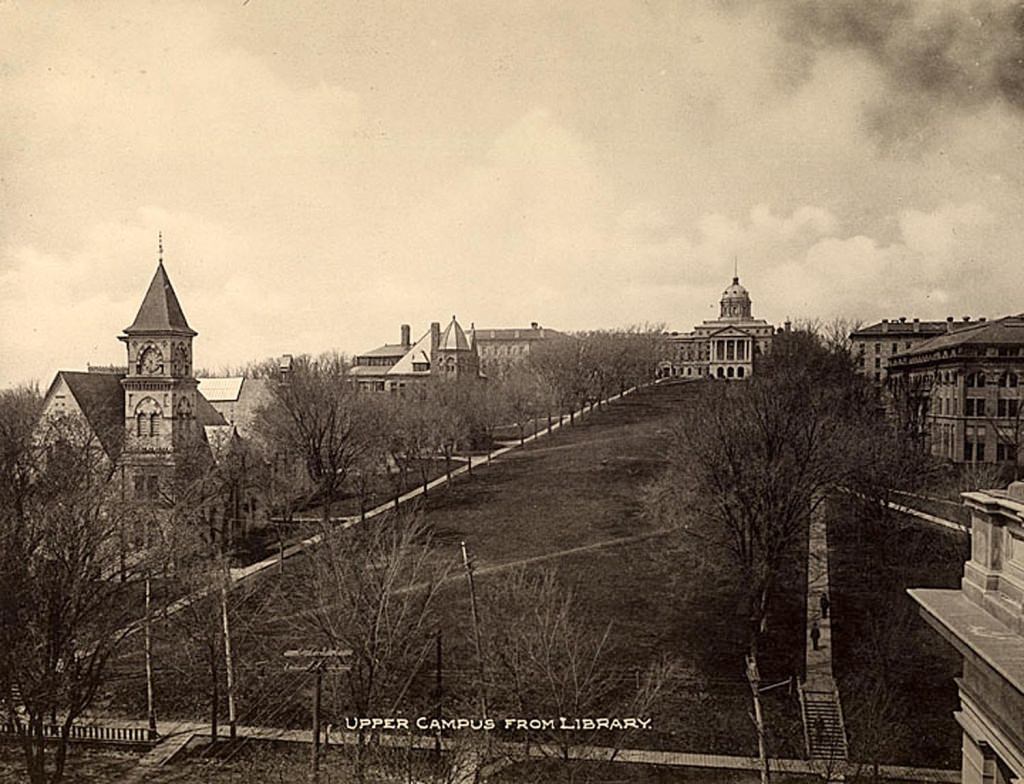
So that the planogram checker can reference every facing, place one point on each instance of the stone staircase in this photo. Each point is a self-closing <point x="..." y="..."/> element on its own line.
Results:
<point x="824" y="731"/>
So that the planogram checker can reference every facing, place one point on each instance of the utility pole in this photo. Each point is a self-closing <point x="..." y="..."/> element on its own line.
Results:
<point x="476" y="629"/>
<point x="317" y="662"/>
<point x="755" y="687"/>
<point x="439" y="710"/>
<point x="317" y="688"/>
<point x="229" y="663"/>
<point x="150" y="709"/>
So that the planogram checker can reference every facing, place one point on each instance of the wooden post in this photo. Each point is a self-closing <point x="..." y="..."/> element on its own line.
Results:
<point x="476" y="630"/>
<point x="317" y="662"/>
<point x="318" y="685"/>
<point x="150" y="710"/>
<point x="439" y="710"/>
<point x="229" y="663"/>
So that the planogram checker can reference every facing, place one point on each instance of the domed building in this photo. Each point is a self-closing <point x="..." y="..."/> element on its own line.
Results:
<point x="725" y="347"/>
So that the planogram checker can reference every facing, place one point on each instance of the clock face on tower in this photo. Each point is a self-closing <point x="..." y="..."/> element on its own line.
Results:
<point x="151" y="361"/>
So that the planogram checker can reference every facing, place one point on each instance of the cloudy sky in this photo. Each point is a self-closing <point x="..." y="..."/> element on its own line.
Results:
<point x="324" y="171"/>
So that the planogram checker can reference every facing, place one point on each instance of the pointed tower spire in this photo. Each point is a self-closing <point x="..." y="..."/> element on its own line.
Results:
<point x="160" y="311"/>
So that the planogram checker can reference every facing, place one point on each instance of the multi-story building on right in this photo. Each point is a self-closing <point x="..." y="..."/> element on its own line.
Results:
<point x="873" y="345"/>
<point x="984" y="622"/>
<point x="962" y="390"/>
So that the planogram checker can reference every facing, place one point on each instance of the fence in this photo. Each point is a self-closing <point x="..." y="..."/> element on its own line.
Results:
<point x="94" y="733"/>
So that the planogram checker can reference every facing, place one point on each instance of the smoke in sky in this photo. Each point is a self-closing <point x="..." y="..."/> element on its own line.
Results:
<point x="936" y="56"/>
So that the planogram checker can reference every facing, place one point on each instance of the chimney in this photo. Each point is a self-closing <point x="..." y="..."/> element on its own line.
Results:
<point x="917" y="325"/>
<point x="885" y="325"/>
<point x="966" y="319"/>
<point x="284" y="365"/>
<point x="406" y="338"/>
<point x="435" y="337"/>
<point x="534" y="325"/>
<point x="949" y="323"/>
<point x="903" y="319"/>
<point x="982" y="318"/>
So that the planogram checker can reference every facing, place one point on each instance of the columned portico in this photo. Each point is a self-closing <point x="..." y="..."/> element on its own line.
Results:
<point x="724" y="348"/>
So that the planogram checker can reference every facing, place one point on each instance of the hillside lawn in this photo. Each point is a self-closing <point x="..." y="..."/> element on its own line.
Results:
<point x="579" y="487"/>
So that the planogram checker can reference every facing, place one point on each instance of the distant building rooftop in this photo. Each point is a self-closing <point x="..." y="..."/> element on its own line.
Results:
<point x="221" y="390"/>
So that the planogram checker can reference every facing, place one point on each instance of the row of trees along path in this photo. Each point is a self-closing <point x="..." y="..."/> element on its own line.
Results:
<point x="63" y="517"/>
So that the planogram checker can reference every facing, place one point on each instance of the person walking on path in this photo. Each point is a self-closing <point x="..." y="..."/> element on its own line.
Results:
<point x="815" y="634"/>
<point x="825" y="603"/>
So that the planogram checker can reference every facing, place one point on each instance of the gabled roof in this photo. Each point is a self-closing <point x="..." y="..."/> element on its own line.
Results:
<point x="453" y="338"/>
<point x="1005" y="331"/>
<point x="101" y="400"/>
<point x="420" y="352"/>
<point x="160" y="310"/>
<point x="206" y="414"/>
<point x="730" y="329"/>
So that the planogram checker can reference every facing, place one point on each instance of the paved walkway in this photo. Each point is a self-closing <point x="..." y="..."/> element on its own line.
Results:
<point x="824" y="730"/>
<point x="240" y="574"/>
<point x="179" y="734"/>
<point x="910" y="511"/>
<point x="818" y="674"/>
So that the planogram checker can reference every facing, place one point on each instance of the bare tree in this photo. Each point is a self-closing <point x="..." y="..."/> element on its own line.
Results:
<point x="317" y="416"/>
<point x="60" y="621"/>
<point x="520" y="393"/>
<point x="548" y="659"/>
<point x="373" y="590"/>
<point x="563" y="365"/>
<point x="445" y="405"/>
<point x="755" y="459"/>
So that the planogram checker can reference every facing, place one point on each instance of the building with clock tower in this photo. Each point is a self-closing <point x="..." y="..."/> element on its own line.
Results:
<point x="159" y="388"/>
<point x="148" y="417"/>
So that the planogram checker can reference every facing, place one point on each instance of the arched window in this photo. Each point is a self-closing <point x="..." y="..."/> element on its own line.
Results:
<point x="976" y="380"/>
<point x="739" y="372"/>
<point x="147" y="418"/>
<point x="1008" y="380"/>
<point x="721" y="373"/>
<point x="729" y="373"/>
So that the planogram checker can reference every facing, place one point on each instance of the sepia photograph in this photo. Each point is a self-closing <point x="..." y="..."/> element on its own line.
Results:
<point x="512" y="392"/>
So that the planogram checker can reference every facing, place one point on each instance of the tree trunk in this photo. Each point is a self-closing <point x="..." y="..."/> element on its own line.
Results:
<point x="61" y="756"/>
